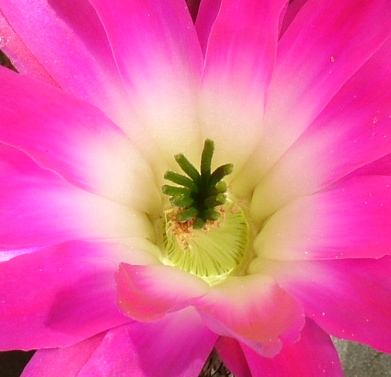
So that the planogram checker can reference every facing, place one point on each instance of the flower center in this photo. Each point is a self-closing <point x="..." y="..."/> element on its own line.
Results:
<point x="205" y="230"/>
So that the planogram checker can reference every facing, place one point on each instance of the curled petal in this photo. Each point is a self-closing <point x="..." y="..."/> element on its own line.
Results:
<point x="254" y="310"/>
<point x="148" y="292"/>
<point x="313" y="355"/>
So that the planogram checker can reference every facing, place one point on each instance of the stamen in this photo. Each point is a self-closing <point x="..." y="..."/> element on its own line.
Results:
<point x="206" y="231"/>
<point x="199" y="193"/>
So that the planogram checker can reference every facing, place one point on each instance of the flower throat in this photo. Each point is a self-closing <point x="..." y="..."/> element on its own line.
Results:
<point x="205" y="232"/>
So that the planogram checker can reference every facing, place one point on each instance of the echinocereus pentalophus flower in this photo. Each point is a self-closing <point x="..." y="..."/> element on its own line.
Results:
<point x="170" y="188"/>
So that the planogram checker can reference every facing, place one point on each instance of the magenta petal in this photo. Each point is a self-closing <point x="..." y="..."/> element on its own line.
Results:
<point x="348" y="298"/>
<point x="291" y="12"/>
<point x="352" y="131"/>
<point x="382" y="166"/>
<point x="163" y="89"/>
<point x="233" y="357"/>
<point x="351" y="220"/>
<point x="59" y="295"/>
<point x="206" y="17"/>
<point x="67" y="39"/>
<point x="74" y="139"/>
<point x="316" y="56"/>
<point x="63" y="362"/>
<point x="254" y="310"/>
<point x="13" y="46"/>
<point x="313" y="355"/>
<point x="38" y="208"/>
<point x="148" y="292"/>
<point x="178" y="345"/>
<point x="239" y="62"/>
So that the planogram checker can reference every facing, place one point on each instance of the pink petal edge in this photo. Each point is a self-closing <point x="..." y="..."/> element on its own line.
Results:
<point x="59" y="295"/>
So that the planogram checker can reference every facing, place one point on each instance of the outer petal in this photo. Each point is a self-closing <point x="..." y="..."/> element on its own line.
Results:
<point x="291" y="12"/>
<point x="352" y="220"/>
<point x="67" y="39"/>
<point x="382" y="166"/>
<point x="349" y="299"/>
<point x="149" y="292"/>
<point x="313" y="355"/>
<point x="64" y="362"/>
<point x="232" y="354"/>
<point x="59" y="295"/>
<point x="352" y="131"/>
<point x="206" y="17"/>
<point x="254" y="310"/>
<point x="319" y="52"/>
<point x="74" y="139"/>
<point x="239" y="61"/>
<point x="39" y="208"/>
<point x="178" y="345"/>
<point x="193" y="6"/>
<point x="19" y="53"/>
<point x="163" y="88"/>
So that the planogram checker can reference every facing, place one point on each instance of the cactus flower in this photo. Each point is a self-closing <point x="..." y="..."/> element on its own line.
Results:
<point x="170" y="186"/>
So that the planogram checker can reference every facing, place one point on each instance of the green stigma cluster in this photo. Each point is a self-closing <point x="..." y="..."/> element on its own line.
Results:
<point x="198" y="193"/>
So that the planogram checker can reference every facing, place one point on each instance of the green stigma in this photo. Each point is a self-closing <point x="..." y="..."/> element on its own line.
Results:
<point x="205" y="231"/>
<point x="198" y="193"/>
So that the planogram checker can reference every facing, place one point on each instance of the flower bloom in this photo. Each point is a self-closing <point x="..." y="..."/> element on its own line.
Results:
<point x="105" y="274"/>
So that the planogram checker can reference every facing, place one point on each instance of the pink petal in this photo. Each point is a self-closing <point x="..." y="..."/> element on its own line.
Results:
<point x="162" y="88"/>
<point x="352" y="131"/>
<point x="74" y="139"/>
<point x="239" y="61"/>
<point x="291" y="12"/>
<point x="348" y="298"/>
<point x="313" y="355"/>
<point x="148" y="292"/>
<point x="6" y="255"/>
<point x="59" y="295"/>
<point x="352" y="220"/>
<point x="316" y="56"/>
<point x="67" y="39"/>
<point x="39" y="208"/>
<point x="254" y="310"/>
<point x="178" y="345"/>
<point x="233" y="357"/>
<point x="206" y="17"/>
<point x="13" y="46"/>
<point x="382" y="166"/>
<point x="64" y="362"/>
